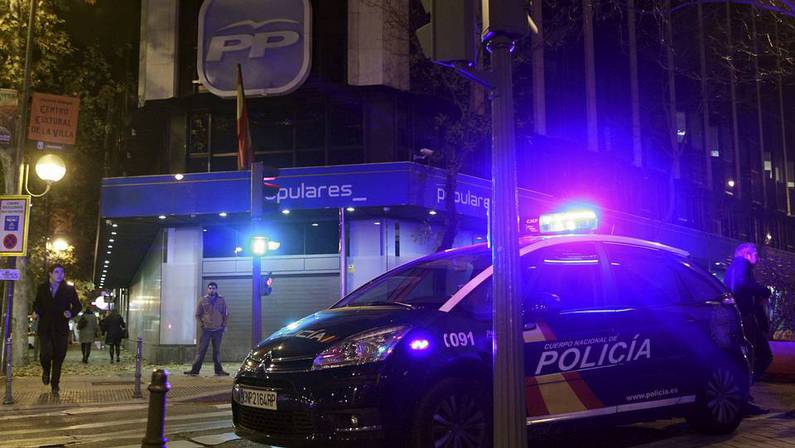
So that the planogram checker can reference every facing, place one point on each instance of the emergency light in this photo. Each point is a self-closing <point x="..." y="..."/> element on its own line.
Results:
<point x="568" y="222"/>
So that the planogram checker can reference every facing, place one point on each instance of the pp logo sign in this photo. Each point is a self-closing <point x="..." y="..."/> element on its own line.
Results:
<point x="270" y="39"/>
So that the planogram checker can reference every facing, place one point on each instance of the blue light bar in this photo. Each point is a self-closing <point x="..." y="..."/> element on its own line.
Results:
<point x="568" y="222"/>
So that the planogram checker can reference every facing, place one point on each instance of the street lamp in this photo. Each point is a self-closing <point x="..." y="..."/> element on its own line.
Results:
<point x="50" y="168"/>
<point x="60" y="245"/>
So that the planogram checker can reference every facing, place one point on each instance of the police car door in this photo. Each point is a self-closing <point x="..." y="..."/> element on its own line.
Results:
<point x="566" y="334"/>
<point x="645" y="296"/>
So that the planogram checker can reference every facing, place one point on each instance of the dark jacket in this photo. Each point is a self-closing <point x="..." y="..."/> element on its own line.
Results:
<point x="113" y="327"/>
<point x="50" y="309"/>
<point x="747" y="292"/>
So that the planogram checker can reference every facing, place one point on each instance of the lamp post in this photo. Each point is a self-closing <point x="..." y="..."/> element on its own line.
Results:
<point x="49" y="168"/>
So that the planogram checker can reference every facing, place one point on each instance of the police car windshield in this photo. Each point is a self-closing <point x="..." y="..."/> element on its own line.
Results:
<point x="427" y="283"/>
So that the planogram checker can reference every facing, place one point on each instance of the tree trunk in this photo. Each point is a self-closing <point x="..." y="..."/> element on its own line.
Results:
<point x="738" y="184"/>
<point x="672" y="130"/>
<point x="706" y="141"/>
<point x="637" y="136"/>
<point x="539" y="87"/>
<point x="22" y="298"/>
<point x="759" y="118"/>
<point x="451" y="214"/>
<point x="781" y="109"/>
<point x="590" y="76"/>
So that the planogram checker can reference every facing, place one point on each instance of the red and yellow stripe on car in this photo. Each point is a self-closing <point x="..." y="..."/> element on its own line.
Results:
<point x="557" y="395"/>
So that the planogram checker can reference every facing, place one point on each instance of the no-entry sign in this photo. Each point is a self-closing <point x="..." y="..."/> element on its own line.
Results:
<point x="14" y="216"/>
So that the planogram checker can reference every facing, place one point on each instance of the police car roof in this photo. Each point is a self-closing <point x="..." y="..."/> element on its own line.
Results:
<point x="537" y="242"/>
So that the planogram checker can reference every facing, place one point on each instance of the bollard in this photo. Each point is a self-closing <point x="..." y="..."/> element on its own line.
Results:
<point x="156" y="420"/>
<point x="137" y="390"/>
<point x="9" y="399"/>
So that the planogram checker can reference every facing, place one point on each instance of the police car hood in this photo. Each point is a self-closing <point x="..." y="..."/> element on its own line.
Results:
<point x="317" y="332"/>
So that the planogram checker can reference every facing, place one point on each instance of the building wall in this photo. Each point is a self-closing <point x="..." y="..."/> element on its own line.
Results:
<point x="158" y="50"/>
<point x="181" y="285"/>
<point x="144" y="312"/>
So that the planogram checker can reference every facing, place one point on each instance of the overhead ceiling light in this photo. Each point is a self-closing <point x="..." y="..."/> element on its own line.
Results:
<point x="115" y="225"/>
<point x="161" y="217"/>
<point x="108" y="252"/>
<point x="238" y="249"/>
<point x="431" y="212"/>
<point x="350" y="209"/>
<point x="110" y="246"/>
<point x="111" y="240"/>
<point x="314" y="224"/>
<point x="286" y="211"/>
<point x="107" y="261"/>
<point x="104" y="271"/>
<point x="222" y="214"/>
<point x="204" y="230"/>
<point x="378" y="223"/>
<point x="113" y="233"/>
<point x="178" y="176"/>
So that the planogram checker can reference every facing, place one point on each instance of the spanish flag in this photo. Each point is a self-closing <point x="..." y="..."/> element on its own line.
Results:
<point x="245" y="152"/>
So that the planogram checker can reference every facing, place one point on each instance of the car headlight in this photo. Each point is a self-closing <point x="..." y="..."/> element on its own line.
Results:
<point x="363" y="348"/>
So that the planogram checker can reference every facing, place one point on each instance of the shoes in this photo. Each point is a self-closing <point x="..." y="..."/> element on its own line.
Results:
<point x="45" y="378"/>
<point x="111" y="360"/>
<point x="752" y="408"/>
<point x="56" y="390"/>
<point x="191" y="373"/>
<point x="221" y="373"/>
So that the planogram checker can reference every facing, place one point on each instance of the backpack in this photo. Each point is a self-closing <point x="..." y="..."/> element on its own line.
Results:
<point x="82" y="323"/>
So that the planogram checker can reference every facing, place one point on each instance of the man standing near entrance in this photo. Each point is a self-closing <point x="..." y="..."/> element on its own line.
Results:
<point x="212" y="316"/>
<point x="56" y="303"/>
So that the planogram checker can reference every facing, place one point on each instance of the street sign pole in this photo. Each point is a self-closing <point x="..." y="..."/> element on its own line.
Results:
<point x="256" y="259"/>
<point x="21" y="126"/>
<point x="510" y="416"/>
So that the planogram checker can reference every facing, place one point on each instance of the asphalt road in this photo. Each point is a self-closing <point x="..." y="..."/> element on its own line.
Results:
<point x="207" y="422"/>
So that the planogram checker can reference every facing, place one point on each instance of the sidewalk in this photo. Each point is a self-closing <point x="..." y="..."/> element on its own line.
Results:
<point x="103" y="383"/>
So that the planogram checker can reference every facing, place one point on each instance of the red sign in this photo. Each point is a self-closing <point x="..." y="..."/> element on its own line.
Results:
<point x="53" y="118"/>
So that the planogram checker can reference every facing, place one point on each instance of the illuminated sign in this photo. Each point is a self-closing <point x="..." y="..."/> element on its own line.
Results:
<point x="270" y="39"/>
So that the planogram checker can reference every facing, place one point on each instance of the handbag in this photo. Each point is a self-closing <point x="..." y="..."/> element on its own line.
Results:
<point x="125" y="334"/>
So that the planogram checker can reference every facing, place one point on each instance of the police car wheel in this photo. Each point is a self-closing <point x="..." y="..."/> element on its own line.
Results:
<point x="453" y="414"/>
<point x="719" y="406"/>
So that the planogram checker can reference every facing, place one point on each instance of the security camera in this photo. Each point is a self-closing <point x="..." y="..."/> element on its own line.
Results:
<point x="426" y="152"/>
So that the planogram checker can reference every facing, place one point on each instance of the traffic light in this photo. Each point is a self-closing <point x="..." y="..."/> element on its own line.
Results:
<point x="451" y="34"/>
<point x="266" y="283"/>
<point x="506" y="18"/>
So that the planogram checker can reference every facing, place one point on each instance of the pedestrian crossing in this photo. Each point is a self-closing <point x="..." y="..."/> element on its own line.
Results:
<point x="124" y="426"/>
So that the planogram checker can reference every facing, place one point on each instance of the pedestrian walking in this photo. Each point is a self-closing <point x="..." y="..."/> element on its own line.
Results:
<point x="114" y="329"/>
<point x="55" y="305"/>
<point x="212" y="315"/>
<point x="751" y="299"/>
<point x="87" y="328"/>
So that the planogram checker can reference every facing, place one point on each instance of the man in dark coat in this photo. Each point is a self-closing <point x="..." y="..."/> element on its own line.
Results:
<point x="56" y="303"/>
<point x="751" y="299"/>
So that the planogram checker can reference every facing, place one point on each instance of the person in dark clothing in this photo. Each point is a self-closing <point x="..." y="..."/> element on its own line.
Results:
<point x="751" y="299"/>
<point x="113" y="326"/>
<point x="87" y="329"/>
<point x="55" y="304"/>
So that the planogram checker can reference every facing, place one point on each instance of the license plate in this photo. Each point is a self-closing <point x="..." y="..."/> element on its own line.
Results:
<point x="263" y="399"/>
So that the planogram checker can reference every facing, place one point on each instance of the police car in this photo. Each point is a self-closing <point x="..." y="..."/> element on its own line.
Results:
<point x="616" y="329"/>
